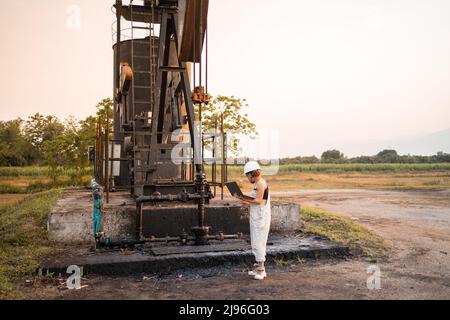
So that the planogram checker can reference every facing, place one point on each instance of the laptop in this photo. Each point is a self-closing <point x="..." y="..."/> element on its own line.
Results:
<point x="234" y="189"/>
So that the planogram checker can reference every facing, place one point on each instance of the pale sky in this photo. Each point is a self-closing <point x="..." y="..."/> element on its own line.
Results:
<point x="320" y="73"/>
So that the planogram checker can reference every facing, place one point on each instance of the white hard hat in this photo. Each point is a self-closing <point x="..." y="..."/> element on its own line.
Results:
<point x="251" y="166"/>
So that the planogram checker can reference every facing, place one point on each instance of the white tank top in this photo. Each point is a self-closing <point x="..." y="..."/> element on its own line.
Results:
<point x="254" y="193"/>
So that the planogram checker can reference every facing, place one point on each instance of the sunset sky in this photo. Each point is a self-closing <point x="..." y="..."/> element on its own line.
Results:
<point x="320" y="74"/>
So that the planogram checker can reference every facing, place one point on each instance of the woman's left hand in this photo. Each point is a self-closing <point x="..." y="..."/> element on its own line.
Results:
<point x="245" y="205"/>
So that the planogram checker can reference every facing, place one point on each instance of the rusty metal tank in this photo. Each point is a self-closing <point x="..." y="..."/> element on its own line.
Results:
<point x="138" y="101"/>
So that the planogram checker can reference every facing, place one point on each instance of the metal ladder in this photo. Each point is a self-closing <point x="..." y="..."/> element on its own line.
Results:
<point x="142" y="130"/>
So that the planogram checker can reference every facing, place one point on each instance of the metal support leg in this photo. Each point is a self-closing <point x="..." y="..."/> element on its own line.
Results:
<point x="201" y="232"/>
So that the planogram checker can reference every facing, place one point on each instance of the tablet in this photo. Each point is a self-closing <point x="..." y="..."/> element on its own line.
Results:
<point x="234" y="189"/>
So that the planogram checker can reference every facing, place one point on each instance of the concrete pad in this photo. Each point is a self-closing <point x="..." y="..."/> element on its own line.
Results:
<point x="285" y="217"/>
<point x="70" y="221"/>
<point x="146" y="261"/>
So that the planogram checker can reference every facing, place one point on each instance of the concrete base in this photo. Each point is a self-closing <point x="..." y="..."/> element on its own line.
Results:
<point x="167" y="258"/>
<point x="71" y="219"/>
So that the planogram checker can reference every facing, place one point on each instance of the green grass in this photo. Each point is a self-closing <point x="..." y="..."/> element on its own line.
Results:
<point x="37" y="171"/>
<point x="282" y="262"/>
<point x="378" y="167"/>
<point x="356" y="167"/>
<point x="340" y="230"/>
<point x="343" y="231"/>
<point x="40" y="179"/>
<point x="8" y="189"/>
<point x="23" y="171"/>
<point x="60" y="183"/>
<point x="23" y="238"/>
<point x="334" y="168"/>
<point x="40" y="186"/>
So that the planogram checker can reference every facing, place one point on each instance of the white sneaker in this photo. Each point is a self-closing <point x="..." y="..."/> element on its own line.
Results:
<point x="260" y="275"/>
<point x="254" y="271"/>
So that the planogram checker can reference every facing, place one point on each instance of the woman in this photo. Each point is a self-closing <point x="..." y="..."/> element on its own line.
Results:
<point x="259" y="203"/>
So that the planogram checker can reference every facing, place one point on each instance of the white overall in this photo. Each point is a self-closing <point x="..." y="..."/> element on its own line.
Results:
<point x="260" y="217"/>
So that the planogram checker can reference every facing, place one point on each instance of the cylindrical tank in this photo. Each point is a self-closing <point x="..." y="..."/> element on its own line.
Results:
<point x="137" y="54"/>
<point x="140" y="64"/>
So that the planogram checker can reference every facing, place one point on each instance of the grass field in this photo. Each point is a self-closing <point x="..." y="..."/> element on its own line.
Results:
<point x="23" y="238"/>
<point x="35" y="171"/>
<point x="18" y="182"/>
<point x="15" y="181"/>
<point x="356" y="167"/>
<point x="8" y="199"/>
<point x="294" y="180"/>
<point x="24" y="208"/>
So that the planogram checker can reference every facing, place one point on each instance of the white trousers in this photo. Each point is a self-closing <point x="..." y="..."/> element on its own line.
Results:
<point x="260" y="217"/>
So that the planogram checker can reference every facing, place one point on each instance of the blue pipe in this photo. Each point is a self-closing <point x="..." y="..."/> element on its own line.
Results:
<point x="97" y="196"/>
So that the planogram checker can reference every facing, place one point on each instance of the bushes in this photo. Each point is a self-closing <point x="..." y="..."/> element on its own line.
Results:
<point x="358" y="167"/>
<point x="385" y="156"/>
<point x="333" y="156"/>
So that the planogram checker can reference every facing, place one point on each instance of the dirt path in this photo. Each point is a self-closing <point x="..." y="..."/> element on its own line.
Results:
<point x="415" y="223"/>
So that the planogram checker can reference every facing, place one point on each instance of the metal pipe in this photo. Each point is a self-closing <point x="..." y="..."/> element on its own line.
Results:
<point x="194" y="58"/>
<point x="139" y="221"/>
<point x="200" y="45"/>
<point x="225" y="137"/>
<point x="100" y="150"/>
<point x="222" y="166"/>
<point x="202" y="141"/>
<point x="214" y="165"/>
<point x="157" y="197"/>
<point x="109" y="243"/>
<point x="118" y="17"/>
<point x="201" y="203"/>
<point x="96" y="153"/>
<point x="206" y="55"/>
<point x="107" y="156"/>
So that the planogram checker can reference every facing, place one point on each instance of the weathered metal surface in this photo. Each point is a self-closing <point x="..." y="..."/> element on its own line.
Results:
<point x="229" y="245"/>
<point x="173" y="221"/>
<point x="137" y="101"/>
<point x="195" y="24"/>
<point x="139" y="13"/>
<point x="158" y="102"/>
<point x="132" y="262"/>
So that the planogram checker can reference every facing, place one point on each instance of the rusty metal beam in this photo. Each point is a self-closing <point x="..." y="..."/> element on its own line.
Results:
<point x="191" y="47"/>
<point x="140" y="13"/>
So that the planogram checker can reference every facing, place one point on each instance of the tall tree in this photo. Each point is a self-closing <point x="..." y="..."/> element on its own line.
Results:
<point x="15" y="150"/>
<point x="40" y="129"/>
<point x="387" y="156"/>
<point x="332" y="156"/>
<point x="236" y="119"/>
<point x="103" y="107"/>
